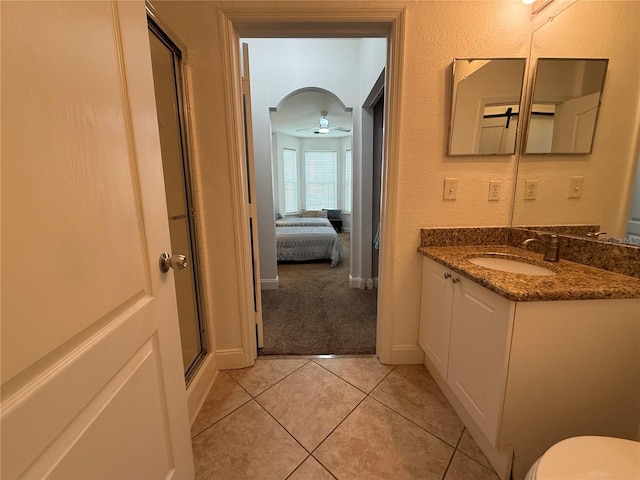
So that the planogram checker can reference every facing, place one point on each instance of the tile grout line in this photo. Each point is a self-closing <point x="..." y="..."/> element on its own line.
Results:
<point x="252" y="397"/>
<point x="225" y="416"/>
<point x="354" y="386"/>
<point x="333" y="430"/>
<point x="278" y="381"/>
<point x="453" y="454"/>
<point x="310" y="452"/>
<point x="475" y="461"/>
<point x="284" y="428"/>
<point x="366" y="395"/>
<point x="414" y="423"/>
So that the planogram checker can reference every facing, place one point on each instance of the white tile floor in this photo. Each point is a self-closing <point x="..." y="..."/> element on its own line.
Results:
<point x="337" y="418"/>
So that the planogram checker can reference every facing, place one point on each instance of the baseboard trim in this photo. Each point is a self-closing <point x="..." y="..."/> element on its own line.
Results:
<point x="200" y="386"/>
<point x="406" y="355"/>
<point x="359" y="282"/>
<point x="270" y="283"/>
<point x="346" y="229"/>
<point x="231" y="358"/>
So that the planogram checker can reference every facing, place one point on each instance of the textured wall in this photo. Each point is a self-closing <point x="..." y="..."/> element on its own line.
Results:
<point x="436" y="32"/>
<point x="590" y="30"/>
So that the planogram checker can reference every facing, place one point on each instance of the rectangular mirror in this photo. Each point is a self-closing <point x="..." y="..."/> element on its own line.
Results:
<point x="564" y="105"/>
<point x="485" y="106"/>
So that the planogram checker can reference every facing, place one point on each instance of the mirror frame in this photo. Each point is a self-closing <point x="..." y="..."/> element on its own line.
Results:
<point x="454" y="97"/>
<point x="527" y="126"/>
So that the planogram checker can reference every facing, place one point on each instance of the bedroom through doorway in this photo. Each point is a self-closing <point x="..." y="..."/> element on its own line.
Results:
<point x="313" y="149"/>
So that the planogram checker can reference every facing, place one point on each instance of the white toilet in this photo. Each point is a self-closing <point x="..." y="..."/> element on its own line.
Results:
<point x="589" y="458"/>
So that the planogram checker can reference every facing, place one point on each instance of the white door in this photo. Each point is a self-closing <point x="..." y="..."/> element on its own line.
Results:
<point x="92" y="380"/>
<point x="496" y="137"/>
<point x="574" y="124"/>
<point x="633" y="227"/>
<point x="251" y="193"/>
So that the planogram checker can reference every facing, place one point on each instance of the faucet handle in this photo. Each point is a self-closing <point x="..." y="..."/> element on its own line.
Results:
<point x="549" y="236"/>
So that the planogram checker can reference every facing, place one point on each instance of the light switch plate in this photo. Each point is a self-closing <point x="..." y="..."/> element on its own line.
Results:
<point x="576" y="184"/>
<point x="530" y="189"/>
<point x="450" y="189"/>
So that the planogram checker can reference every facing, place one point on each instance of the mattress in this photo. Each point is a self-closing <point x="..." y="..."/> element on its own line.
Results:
<point x="303" y="222"/>
<point x="300" y="244"/>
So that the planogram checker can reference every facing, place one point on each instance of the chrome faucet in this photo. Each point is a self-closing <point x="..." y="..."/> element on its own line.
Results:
<point x="551" y="249"/>
<point x="596" y="234"/>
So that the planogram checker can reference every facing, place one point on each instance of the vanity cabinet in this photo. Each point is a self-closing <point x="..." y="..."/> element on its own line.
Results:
<point x="464" y="331"/>
<point x="525" y="375"/>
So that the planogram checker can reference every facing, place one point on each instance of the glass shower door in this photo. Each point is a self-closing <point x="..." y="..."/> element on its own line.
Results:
<point x="165" y="57"/>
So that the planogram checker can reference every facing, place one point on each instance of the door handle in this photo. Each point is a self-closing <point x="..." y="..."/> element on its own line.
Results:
<point x="177" y="262"/>
<point x="447" y="275"/>
<point x="455" y="279"/>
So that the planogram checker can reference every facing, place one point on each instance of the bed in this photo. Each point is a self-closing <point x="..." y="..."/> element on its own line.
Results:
<point x="304" y="242"/>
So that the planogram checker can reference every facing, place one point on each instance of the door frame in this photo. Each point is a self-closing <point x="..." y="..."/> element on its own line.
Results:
<point x="187" y="167"/>
<point x="200" y="382"/>
<point x="268" y="19"/>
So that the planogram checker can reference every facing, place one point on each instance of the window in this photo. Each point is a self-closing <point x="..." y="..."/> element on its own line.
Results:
<point x="321" y="179"/>
<point x="290" y="168"/>
<point x="347" y="181"/>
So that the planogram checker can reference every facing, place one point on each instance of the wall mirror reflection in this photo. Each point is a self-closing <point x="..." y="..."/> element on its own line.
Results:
<point x="565" y="103"/>
<point x="485" y="106"/>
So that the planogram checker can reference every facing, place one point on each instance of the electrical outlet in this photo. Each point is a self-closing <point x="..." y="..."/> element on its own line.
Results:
<point x="530" y="189"/>
<point x="575" y="187"/>
<point x="494" y="190"/>
<point x="450" y="189"/>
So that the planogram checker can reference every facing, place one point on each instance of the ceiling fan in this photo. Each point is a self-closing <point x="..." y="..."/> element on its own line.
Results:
<point x="323" y="126"/>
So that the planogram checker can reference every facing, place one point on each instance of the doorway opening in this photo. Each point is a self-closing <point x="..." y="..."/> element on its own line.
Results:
<point x="306" y="20"/>
<point x="328" y="305"/>
<point x="166" y="59"/>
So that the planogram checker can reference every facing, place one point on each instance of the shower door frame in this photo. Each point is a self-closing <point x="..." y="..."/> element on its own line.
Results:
<point x="179" y="52"/>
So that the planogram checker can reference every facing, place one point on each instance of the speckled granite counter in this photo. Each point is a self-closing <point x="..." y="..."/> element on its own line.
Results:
<point x="572" y="281"/>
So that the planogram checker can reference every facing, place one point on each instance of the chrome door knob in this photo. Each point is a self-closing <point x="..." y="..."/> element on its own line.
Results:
<point x="455" y="279"/>
<point x="177" y="262"/>
<point x="447" y="275"/>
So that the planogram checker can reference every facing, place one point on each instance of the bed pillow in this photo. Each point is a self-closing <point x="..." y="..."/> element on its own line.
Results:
<point x="334" y="214"/>
<point x="313" y="214"/>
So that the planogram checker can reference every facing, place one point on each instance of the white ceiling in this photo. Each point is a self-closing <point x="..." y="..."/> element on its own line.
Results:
<point x="302" y="110"/>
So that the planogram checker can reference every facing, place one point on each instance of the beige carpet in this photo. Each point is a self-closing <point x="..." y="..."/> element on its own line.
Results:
<point x="315" y="312"/>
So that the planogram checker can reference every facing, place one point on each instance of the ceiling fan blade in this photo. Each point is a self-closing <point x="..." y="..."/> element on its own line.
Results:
<point x="308" y="128"/>
<point x="342" y="129"/>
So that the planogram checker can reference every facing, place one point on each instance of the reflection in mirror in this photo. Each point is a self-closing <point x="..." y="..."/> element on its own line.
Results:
<point x="586" y="29"/>
<point x="564" y="106"/>
<point x="485" y="106"/>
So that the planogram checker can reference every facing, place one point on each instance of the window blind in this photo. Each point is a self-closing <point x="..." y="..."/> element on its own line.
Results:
<point x="347" y="182"/>
<point x="321" y="179"/>
<point x="290" y="168"/>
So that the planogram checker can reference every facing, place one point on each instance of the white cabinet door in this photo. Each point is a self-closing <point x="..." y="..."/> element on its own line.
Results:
<point x="435" y="314"/>
<point x="479" y="353"/>
<point x="92" y="379"/>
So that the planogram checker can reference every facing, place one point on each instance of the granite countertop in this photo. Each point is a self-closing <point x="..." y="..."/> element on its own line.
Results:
<point x="572" y="281"/>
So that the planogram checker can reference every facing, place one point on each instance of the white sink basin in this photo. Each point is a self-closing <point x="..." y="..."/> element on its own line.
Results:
<point x="510" y="265"/>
